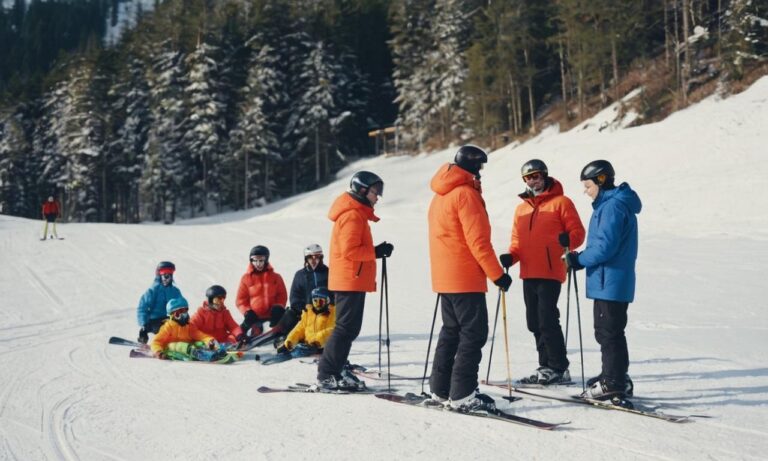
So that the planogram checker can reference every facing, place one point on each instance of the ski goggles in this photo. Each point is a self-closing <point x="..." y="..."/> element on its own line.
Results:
<point x="177" y="314"/>
<point x="532" y="177"/>
<point x="319" y="302"/>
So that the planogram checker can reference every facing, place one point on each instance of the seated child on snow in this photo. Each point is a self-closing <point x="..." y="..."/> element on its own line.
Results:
<point x="214" y="318"/>
<point x="178" y="339"/>
<point x="309" y="336"/>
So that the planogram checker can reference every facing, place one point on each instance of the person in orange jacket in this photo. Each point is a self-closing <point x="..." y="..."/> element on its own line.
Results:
<point x="178" y="335"/>
<point x="462" y="259"/>
<point x="352" y="273"/>
<point x="261" y="295"/>
<point x="214" y="318"/>
<point x="51" y="212"/>
<point x="545" y="223"/>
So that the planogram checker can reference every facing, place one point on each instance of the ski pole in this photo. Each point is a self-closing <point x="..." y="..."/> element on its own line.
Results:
<point x="386" y="313"/>
<point x="493" y="338"/>
<point x="381" y="303"/>
<point x="429" y="345"/>
<point x="568" y="298"/>
<point x="578" y="316"/>
<point x="506" y="340"/>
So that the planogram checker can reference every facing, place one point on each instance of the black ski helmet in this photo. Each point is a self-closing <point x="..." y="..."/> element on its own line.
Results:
<point x="215" y="291"/>
<point x="321" y="293"/>
<point x="471" y="158"/>
<point x="599" y="171"/>
<point x="534" y="166"/>
<point x="259" y="250"/>
<point x="165" y="267"/>
<point x="362" y="181"/>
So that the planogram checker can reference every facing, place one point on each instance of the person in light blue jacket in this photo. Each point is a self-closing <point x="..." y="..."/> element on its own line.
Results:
<point x="609" y="258"/>
<point x="150" y="313"/>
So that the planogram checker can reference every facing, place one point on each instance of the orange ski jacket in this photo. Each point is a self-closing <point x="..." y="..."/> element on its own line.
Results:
<point x="259" y="291"/>
<point x="460" y="249"/>
<point x="172" y="332"/>
<point x="352" y="263"/>
<point x="218" y="324"/>
<point x="537" y="223"/>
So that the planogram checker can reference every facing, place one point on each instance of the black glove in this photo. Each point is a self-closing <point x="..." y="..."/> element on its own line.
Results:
<point x="507" y="260"/>
<point x="572" y="261"/>
<point x="241" y="339"/>
<point x="565" y="239"/>
<point x="143" y="336"/>
<point x="503" y="282"/>
<point x="282" y="350"/>
<point x="384" y="249"/>
<point x="249" y="319"/>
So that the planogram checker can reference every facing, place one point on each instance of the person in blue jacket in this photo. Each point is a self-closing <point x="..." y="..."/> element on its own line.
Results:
<point x="609" y="258"/>
<point x="151" y="311"/>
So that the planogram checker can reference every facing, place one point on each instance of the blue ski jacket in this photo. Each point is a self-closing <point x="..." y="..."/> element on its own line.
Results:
<point x="611" y="249"/>
<point x="153" y="301"/>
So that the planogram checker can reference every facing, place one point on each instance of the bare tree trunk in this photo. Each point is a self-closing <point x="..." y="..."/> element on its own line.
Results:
<point x="676" y="43"/>
<point x="531" y="104"/>
<point x="562" y="75"/>
<point x="615" y="62"/>
<point x="667" y="40"/>
<point x="317" y="155"/>
<point x="686" y="50"/>
<point x="519" y="99"/>
<point x="246" y="202"/>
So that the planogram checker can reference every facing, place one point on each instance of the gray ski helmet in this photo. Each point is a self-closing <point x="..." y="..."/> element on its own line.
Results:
<point x="534" y="166"/>
<point x="215" y="291"/>
<point x="313" y="249"/>
<point x="599" y="171"/>
<point x="471" y="158"/>
<point x="259" y="250"/>
<point x="165" y="267"/>
<point x="362" y="181"/>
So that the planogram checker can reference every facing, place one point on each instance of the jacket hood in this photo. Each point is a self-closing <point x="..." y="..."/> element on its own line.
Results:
<point x="624" y="194"/>
<point x="345" y="202"/>
<point x="554" y="189"/>
<point x="449" y="177"/>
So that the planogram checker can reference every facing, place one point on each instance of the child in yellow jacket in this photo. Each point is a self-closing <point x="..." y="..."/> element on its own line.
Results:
<point x="315" y="327"/>
<point x="178" y="336"/>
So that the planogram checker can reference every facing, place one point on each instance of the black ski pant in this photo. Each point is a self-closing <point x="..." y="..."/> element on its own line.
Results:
<point x="459" y="346"/>
<point x="610" y="319"/>
<point x="543" y="319"/>
<point x="349" y="320"/>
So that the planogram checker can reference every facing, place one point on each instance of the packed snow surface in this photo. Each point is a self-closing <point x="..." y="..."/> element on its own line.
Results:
<point x="697" y="332"/>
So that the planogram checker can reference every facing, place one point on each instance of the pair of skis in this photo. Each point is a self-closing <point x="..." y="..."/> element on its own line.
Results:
<point x="141" y="350"/>
<point x="530" y="392"/>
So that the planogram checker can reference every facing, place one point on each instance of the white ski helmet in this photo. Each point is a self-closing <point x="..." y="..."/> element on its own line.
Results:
<point x="311" y="250"/>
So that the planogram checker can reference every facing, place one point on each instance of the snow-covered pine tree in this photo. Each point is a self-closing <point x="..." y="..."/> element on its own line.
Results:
<point x="133" y="119"/>
<point x="17" y="178"/>
<point x="166" y="169"/>
<point x="205" y="125"/>
<point x="255" y="140"/>
<point x="411" y="45"/>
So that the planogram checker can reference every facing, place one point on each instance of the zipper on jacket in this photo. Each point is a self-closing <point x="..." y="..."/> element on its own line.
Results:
<point x="359" y="270"/>
<point x="549" y="260"/>
<point x="533" y="215"/>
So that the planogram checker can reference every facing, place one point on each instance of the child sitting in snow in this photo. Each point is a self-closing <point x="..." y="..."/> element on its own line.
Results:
<point x="177" y="339"/>
<point x="315" y="327"/>
<point x="214" y="318"/>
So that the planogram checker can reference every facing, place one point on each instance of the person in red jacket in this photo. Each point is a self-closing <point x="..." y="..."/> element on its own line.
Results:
<point x="51" y="212"/>
<point x="214" y="318"/>
<point x="545" y="223"/>
<point x="261" y="295"/>
<point x="461" y="261"/>
<point x="352" y="273"/>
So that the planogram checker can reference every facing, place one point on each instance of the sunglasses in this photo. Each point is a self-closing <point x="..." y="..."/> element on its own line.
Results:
<point x="532" y="177"/>
<point x="166" y="276"/>
<point x="315" y="256"/>
<point x="178" y="313"/>
<point x="259" y="260"/>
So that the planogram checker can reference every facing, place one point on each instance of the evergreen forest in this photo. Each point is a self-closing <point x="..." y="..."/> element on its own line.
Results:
<point x="204" y="106"/>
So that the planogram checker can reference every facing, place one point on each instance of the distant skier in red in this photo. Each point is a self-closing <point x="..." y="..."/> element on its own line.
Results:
<point x="51" y="212"/>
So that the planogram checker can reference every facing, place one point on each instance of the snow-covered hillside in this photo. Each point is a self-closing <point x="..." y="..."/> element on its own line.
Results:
<point x="697" y="330"/>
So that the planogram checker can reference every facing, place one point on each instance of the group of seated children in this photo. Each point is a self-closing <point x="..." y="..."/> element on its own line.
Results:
<point x="300" y="329"/>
